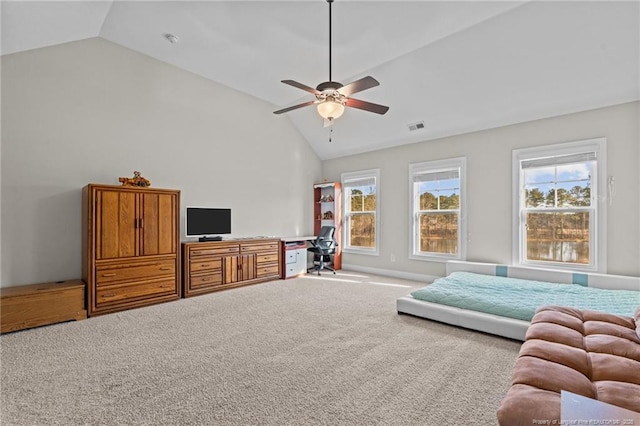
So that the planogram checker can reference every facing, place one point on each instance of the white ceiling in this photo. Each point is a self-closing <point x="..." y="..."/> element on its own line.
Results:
<point x="457" y="66"/>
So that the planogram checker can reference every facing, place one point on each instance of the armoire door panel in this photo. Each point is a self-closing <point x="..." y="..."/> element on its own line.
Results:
<point x="149" y="224"/>
<point x="116" y="225"/>
<point x="157" y="225"/>
<point x="167" y="210"/>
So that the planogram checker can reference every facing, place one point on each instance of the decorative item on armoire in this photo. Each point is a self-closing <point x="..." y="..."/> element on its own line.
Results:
<point x="136" y="180"/>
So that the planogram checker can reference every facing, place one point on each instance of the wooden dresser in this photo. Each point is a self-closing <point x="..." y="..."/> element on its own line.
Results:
<point x="217" y="265"/>
<point x="131" y="245"/>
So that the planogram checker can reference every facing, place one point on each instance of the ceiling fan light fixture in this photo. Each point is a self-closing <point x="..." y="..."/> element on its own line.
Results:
<point x="332" y="97"/>
<point x="330" y="109"/>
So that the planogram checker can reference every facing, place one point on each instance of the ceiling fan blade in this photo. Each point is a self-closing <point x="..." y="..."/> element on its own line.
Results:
<point x="359" y="85"/>
<point x="280" y="111"/>
<point x="367" y="106"/>
<point x="301" y="86"/>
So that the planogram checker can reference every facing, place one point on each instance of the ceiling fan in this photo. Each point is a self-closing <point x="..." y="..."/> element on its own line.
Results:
<point x="332" y="97"/>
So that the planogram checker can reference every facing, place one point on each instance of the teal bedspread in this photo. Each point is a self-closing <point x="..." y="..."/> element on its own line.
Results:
<point x="519" y="299"/>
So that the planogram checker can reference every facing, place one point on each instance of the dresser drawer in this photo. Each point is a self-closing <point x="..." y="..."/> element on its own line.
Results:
<point x="133" y="291"/>
<point x="267" y="258"/>
<point x="262" y="248"/>
<point x="291" y="256"/>
<point x="208" y="251"/>
<point x="206" y="280"/>
<point x="134" y="271"/>
<point x="205" y="264"/>
<point x="266" y="270"/>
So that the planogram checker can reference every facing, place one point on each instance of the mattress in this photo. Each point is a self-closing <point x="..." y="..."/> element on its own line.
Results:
<point x="518" y="299"/>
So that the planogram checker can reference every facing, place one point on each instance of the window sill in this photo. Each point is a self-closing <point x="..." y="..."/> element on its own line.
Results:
<point x="433" y="258"/>
<point x="361" y="251"/>
<point x="560" y="267"/>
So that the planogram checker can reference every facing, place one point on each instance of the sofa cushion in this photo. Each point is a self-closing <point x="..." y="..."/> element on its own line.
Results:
<point x="589" y="353"/>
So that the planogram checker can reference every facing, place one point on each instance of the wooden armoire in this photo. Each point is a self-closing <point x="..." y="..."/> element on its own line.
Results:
<point x="131" y="246"/>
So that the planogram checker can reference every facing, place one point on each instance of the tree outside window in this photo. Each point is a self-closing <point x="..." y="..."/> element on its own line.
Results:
<point x="436" y="205"/>
<point x="558" y="219"/>
<point x="361" y="210"/>
<point x="557" y="208"/>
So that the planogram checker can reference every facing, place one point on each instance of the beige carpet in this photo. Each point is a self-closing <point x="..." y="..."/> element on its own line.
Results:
<point x="307" y="351"/>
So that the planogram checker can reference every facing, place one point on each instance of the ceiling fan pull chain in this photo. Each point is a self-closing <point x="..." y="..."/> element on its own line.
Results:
<point x="330" y="134"/>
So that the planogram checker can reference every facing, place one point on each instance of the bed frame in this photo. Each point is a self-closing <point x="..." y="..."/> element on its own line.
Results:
<point x="503" y="326"/>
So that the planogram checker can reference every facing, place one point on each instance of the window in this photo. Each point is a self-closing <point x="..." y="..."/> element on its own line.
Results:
<point x="361" y="211"/>
<point x="558" y="211"/>
<point x="437" y="206"/>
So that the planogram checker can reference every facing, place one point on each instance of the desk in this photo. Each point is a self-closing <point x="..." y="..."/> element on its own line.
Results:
<point x="294" y="256"/>
<point x="298" y="239"/>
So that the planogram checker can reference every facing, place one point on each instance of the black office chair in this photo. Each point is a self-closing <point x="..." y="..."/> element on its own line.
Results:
<point x="323" y="249"/>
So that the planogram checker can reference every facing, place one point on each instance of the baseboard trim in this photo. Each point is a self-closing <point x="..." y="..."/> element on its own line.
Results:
<point x="390" y="273"/>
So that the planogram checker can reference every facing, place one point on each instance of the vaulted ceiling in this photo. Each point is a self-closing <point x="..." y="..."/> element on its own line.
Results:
<point x="456" y="66"/>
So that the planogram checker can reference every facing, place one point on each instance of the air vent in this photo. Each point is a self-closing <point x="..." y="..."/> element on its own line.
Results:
<point x="416" y="126"/>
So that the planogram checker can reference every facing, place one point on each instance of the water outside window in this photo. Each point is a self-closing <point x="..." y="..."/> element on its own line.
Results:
<point x="362" y="216"/>
<point x="439" y="215"/>
<point x="558" y="212"/>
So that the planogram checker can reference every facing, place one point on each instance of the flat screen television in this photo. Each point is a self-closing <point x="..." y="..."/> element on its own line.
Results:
<point x="207" y="223"/>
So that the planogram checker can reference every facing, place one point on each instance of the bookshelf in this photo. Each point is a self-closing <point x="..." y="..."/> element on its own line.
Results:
<point x="327" y="197"/>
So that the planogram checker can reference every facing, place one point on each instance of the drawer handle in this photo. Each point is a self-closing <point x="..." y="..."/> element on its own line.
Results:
<point x="108" y="295"/>
<point x="196" y="252"/>
<point x="204" y="265"/>
<point x="109" y="275"/>
<point x="165" y="286"/>
<point x="203" y="279"/>
<point x="165" y="268"/>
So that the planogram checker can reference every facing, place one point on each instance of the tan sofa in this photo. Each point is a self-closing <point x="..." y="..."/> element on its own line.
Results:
<point x="589" y="353"/>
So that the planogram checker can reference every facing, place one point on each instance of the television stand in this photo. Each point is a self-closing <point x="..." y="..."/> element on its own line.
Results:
<point x="213" y="238"/>
<point x="218" y="265"/>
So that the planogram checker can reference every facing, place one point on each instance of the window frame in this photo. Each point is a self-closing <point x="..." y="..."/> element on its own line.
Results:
<point x="352" y="176"/>
<point x="435" y="166"/>
<point x="598" y="204"/>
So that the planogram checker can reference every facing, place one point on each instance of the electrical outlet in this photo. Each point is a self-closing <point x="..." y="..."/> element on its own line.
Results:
<point x="393" y="257"/>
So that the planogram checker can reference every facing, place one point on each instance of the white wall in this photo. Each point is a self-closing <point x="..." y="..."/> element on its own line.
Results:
<point x="91" y="111"/>
<point x="489" y="186"/>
